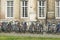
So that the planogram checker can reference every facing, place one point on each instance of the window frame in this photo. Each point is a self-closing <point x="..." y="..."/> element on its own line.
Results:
<point x="10" y="9"/>
<point x="22" y="9"/>
<point x="44" y="9"/>
<point x="56" y="13"/>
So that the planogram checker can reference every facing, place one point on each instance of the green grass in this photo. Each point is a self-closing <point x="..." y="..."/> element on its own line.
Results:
<point x="25" y="38"/>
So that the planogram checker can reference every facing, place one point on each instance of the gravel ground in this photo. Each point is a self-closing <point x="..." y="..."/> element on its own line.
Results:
<point x="30" y="34"/>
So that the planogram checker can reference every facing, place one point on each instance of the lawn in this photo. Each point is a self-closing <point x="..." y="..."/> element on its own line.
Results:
<point x="25" y="38"/>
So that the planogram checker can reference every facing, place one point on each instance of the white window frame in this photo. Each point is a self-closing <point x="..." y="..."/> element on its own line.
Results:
<point x="10" y="6"/>
<point x="56" y="14"/>
<point x="44" y="10"/>
<point x="21" y="9"/>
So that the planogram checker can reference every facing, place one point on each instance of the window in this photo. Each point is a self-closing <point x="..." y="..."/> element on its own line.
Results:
<point x="9" y="9"/>
<point x="57" y="10"/>
<point x="24" y="8"/>
<point x="41" y="9"/>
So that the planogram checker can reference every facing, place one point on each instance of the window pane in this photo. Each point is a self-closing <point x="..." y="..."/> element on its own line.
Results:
<point x="39" y="3"/>
<point x="58" y="11"/>
<point x="25" y="11"/>
<point x="57" y="2"/>
<point x="11" y="3"/>
<point x="42" y="11"/>
<point x="39" y="11"/>
<point x="11" y="11"/>
<point x="25" y="3"/>
<point x="8" y="11"/>
<point x="42" y="3"/>
<point x="8" y="3"/>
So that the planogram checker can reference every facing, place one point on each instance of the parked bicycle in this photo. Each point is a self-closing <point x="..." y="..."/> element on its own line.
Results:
<point x="39" y="28"/>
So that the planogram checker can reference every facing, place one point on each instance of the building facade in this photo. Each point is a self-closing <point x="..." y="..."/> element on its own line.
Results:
<point x="43" y="11"/>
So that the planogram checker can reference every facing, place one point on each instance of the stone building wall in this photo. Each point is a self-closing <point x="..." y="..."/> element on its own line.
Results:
<point x="32" y="7"/>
